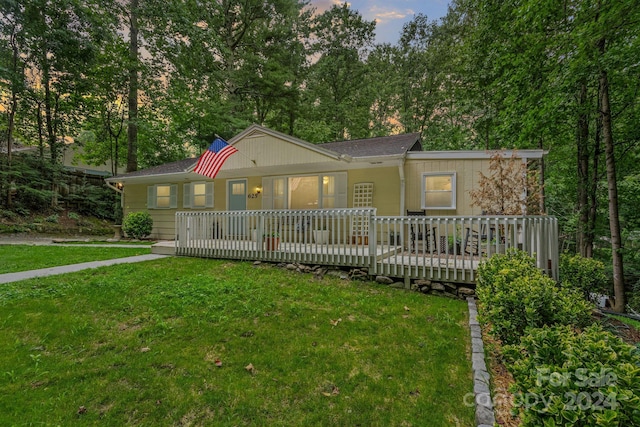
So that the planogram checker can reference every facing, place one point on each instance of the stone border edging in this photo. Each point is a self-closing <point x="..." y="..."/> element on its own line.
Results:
<point x="481" y="378"/>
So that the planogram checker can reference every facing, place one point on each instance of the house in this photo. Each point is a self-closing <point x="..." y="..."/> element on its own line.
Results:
<point x="274" y="171"/>
<point x="380" y="204"/>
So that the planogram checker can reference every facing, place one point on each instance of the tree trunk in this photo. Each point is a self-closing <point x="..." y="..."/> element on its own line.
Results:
<point x="612" y="184"/>
<point x="132" y="127"/>
<point x="583" y="173"/>
<point x="48" y="115"/>
<point x="12" y="113"/>
<point x="593" y="188"/>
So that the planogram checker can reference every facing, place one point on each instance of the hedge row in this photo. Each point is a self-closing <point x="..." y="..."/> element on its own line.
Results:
<point x="567" y="370"/>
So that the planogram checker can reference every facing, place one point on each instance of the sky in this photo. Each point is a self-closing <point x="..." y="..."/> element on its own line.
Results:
<point x="390" y="15"/>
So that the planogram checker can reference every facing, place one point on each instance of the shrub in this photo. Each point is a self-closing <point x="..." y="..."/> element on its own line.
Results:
<point x="137" y="225"/>
<point x="53" y="218"/>
<point x="584" y="274"/>
<point x="514" y="295"/>
<point x="566" y="378"/>
<point x="74" y="216"/>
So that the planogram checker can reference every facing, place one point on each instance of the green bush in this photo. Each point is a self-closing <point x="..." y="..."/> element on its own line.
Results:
<point x="53" y="218"/>
<point x="137" y="225"/>
<point x="584" y="274"/>
<point x="514" y="296"/>
<point x="566" y="378"/>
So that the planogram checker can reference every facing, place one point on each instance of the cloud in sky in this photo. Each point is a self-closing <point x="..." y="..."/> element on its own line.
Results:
<point x="389" y="15"/>
<point x="383" y="14"/>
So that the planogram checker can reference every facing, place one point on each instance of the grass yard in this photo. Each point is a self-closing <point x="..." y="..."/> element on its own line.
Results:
<point x="627" y="320"/>
<point x="140" y="344"/>
<point x="26" y="257"/>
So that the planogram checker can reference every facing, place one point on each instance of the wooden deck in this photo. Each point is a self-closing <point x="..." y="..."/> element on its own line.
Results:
<point x="434" y="248"/>
<point x="395" y="261"/>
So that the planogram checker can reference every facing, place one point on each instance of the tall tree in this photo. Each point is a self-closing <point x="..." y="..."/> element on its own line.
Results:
<point x="132" y="98"/>
<point x="336" y="87"/>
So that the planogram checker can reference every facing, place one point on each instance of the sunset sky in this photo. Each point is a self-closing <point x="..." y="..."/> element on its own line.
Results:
<point x="390" y="15"/>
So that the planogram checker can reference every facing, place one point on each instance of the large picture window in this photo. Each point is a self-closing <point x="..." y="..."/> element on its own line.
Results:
<point x="439" y="190"/>
<point x="326" y="191"/>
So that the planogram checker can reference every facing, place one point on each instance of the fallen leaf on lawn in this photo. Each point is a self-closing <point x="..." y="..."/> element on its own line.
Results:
<point x="416" y="392"/>
<point x="82" y="410"/>
<point x="405" y="316"/>
<point x="218" y="363"/>
<point x="406" y="308"/>
<point x="145" y="349"/>
<point x="335" y="390"/>
<point x="326" y="394"/>
<point x="335" y="322"/>
<point x="250" y="369"/>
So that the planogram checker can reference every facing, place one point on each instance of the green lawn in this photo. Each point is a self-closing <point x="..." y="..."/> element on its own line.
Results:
<point x="628" y="321"/>
<point x="24" y="257"/>
<point x="137" y="344"/>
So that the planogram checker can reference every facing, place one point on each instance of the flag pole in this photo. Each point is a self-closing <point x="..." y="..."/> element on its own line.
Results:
<point x="238" y="152"/>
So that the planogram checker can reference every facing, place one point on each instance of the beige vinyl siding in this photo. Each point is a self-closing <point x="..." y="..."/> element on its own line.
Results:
<point x="267" y="151"/>
<point x="135" y="200"/>
<point x="386" y="188"/>
<point x="467" y="175"/>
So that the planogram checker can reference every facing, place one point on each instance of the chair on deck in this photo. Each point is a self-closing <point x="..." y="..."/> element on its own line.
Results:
<point x="474" y="240"/>
<point x="419" y="233"/>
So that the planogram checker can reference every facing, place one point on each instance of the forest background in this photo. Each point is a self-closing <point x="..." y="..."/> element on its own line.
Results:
<point x="138" y="83"/>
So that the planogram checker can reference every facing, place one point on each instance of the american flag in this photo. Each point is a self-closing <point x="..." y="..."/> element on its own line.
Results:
<point x="211" y="160"/>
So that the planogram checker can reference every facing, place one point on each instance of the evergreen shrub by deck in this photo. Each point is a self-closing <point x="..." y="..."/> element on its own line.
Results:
<point x="564" y="377"/>
<point x="515" y="295"/>
<point x="137" y="225"/>
<point x="586" y="275"/>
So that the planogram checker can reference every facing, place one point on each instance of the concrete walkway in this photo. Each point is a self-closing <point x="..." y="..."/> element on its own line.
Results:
<point x="52" y="271"/>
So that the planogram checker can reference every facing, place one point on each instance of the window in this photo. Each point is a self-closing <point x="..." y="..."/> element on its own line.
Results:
<point x="439" y="190"/>
<point x="305" y="192"/>
<point x="162" y="196"/>
<point x="328" y="192"/>
<point x="198" y="195"/>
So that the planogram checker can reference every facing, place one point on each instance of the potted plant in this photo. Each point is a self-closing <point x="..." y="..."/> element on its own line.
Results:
<point x="321" y="235"/>
<point x="453" y="245"/>
<point x="271" y="240"/>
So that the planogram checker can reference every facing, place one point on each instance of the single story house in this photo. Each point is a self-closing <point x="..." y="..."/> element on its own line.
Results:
<point x="274" y="171"/>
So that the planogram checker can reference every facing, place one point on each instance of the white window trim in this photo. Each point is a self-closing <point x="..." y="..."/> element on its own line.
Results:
<point x="454" y="192"/>
<point x="188" y="195"/>
<point x="340" y="195"/>
<point x="152" y="196"/>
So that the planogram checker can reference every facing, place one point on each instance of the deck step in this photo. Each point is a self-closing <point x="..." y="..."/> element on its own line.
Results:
<point x="164" y="248"/>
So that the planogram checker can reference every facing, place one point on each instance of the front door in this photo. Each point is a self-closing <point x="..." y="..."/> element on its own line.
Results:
<point x="237" y="191"/>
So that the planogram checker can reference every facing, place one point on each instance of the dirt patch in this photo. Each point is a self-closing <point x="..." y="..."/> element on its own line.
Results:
<point x="501" y="380"/>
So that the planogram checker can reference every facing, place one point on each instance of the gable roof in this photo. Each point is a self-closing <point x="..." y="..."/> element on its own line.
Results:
<point x="167" y="168"/>
<point x="393" y="145"/>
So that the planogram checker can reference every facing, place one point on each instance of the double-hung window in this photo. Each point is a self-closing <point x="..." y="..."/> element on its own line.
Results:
<point x="439" y="190"/>
<point x="198" y="195"/>
<point x="162" y="196"/>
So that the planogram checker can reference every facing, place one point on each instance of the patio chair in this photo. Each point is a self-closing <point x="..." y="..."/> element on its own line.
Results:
<point x="474" y="240"/>
<point x="419" y="233"/>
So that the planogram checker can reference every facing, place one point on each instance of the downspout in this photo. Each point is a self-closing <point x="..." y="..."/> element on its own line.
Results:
<point x="402" y="184"/>
<point x="116" y="189"/>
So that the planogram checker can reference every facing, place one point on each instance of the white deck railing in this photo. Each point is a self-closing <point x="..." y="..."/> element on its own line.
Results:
<point x="326" y="236"/>
<point x="440" y="248"/>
